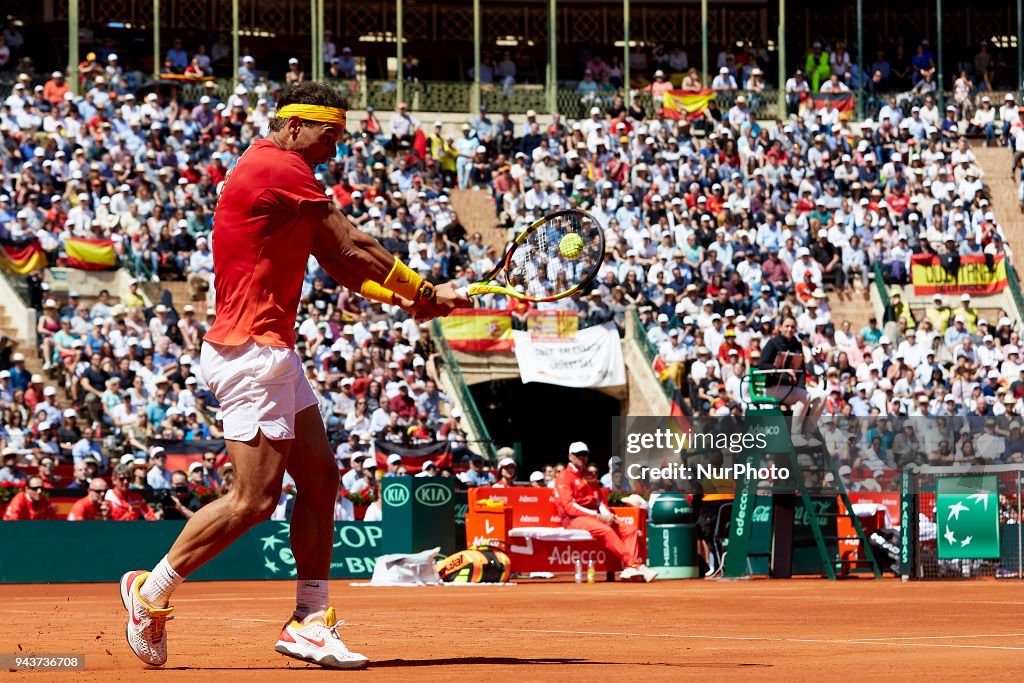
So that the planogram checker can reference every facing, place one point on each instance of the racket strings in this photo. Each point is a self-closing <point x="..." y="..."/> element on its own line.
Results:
<point x="538" y="267"/>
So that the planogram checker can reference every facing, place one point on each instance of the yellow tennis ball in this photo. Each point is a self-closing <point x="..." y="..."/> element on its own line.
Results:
<point x="571" y="246"/>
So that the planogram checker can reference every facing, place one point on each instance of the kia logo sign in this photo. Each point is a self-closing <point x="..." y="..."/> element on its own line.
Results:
<point x="433" y="495"/>
<point x="396" y="495"/>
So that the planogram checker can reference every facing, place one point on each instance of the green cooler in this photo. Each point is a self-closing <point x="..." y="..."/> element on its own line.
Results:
<point x="671" y="537"/>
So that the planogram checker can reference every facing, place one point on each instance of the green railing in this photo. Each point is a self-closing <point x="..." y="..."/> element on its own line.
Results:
<point x="883" y="291"/>
<point x="18" y="284"/>
<point x="471" y="412"/>
<point x="650" y="352"/>
<point x="1015" y="290"/>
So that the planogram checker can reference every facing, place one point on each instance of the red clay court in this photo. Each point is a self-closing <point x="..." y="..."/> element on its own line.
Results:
<point x="794" y="630"/>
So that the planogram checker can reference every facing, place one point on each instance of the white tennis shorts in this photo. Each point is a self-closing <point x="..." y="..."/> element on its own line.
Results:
<point x="258" y="387"/>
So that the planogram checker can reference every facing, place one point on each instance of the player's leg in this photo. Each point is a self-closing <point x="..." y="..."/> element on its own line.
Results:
<point x="315" y="472"/>
<point x="311" y="634"/>
<point x="259" y="466"/>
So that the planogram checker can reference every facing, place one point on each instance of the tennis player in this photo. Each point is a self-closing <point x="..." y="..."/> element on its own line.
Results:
<point x="271" y="215"/>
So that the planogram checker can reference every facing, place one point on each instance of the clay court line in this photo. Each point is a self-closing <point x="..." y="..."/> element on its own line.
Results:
<point x="979" y="635"/>
<point x="116" y="600"/>
<point x="851" y="641"/>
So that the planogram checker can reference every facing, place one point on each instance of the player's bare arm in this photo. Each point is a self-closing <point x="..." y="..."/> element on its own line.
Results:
<point x="359" y="262"/>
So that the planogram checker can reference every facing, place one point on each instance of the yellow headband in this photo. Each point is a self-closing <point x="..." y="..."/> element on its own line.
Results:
<point x="314" y="112"/>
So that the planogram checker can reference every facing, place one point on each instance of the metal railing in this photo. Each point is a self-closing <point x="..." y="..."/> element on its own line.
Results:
<point x="1015" y="289"/>
<point x="883" y="291"/>
<point x="650" y="352"/>
<point x="466" y="400"/>
<point x="19" y="285"/>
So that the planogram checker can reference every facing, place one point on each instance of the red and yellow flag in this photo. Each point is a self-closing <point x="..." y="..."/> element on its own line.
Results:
<point x="90" y="254"/>
<point x="680" y="103"/>
<point x="973" y="274"/>
<point x="478" y="330"/>
<point x="22" y="258"/>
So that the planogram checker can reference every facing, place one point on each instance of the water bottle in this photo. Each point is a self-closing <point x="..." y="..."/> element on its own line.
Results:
<point x="579" y="571"/>
<point x="591" y="572"/>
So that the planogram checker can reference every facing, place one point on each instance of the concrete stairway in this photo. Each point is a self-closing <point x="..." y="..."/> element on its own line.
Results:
<point x="856" y="308"/>
<point x="33" y="358"/>
<point x="33" y="361"/>
<point x="995" y="162"/>
<point x="475" y="210"/>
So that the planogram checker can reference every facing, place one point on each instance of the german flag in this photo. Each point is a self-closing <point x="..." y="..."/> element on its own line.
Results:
<point x="478" y="330"/>
<point x="90" y="254"/>
<point x="21" y="257"/>
<point x="682" y="103"/>
<point x="413" y="457"/>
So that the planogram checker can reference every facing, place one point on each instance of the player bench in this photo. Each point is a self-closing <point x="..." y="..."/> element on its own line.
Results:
<point x="526" y="518"/>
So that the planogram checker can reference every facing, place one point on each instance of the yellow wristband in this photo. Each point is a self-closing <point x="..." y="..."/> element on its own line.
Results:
<point x="403" y="280"/>
<point x="375" y="292"/>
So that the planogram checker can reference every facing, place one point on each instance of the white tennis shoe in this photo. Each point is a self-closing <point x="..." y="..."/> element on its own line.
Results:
<point x="318" y="642"/>
<point x="638" y="573"/>
<point x="146" y="630"/>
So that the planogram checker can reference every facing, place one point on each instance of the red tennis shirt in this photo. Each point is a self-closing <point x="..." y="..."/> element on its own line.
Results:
<point x="261" y="245"/>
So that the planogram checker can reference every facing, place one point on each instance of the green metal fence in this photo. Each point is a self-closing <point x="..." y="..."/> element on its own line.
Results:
<point x="650" y="352"/>
<point x="18" y="284"/>
<point x="1015" y="290"/>
<point x="883" y="291"/>
<point x="471" y="412"/>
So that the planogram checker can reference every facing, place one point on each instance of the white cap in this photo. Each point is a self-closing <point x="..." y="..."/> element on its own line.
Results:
<point x="195" y="466"/>
<point x="394" y="458"/>
<point x="505" y="462"/>
<point x="965" y="297"/>
<point x="577" y="447"/>
<point x="536" y="475"/>
<point x="293" y="60"/>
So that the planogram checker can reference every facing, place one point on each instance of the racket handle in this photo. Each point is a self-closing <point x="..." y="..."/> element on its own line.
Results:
<point x="462" y="292"/>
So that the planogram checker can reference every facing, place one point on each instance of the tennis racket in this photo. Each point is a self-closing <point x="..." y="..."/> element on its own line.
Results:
<point x="555" y="257"/>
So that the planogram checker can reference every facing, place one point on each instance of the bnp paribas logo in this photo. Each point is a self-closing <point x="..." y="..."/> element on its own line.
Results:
<point x="967" y="513"/>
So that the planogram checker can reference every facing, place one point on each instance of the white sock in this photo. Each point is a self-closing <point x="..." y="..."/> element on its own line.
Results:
<point x="161" y="582"/>
<point x="310" y="597"/>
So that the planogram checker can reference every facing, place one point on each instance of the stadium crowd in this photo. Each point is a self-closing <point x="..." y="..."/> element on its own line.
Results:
<point x="719" y="227"/>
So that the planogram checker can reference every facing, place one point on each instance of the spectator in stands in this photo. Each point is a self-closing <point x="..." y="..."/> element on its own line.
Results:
<point x="476" y="475"/>
<point x="158" y="476"/>
<point x="127" y="505"/>
<point x="403" y="127"/>
<point x="346" y="63"/>
<point x="180" y="502"/>
<point x="31" y="504"/>
<point x="93" y="505"/>
<point x="10" y="471"/>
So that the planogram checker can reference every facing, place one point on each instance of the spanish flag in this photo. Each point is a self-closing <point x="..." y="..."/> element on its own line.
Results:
<point x="977" y="274"/>
<point x="90" y="254"/>
<point x="21" y="257"/>
<point x="843" y="101"/>
<point x="478" y="330"/>
<point x="680" y="103"/>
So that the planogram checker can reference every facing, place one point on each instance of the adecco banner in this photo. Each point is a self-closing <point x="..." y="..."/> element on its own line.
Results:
<point x="974" y="275"/>
<point x="593" y="359"/>
<point x="64" y="552"/>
